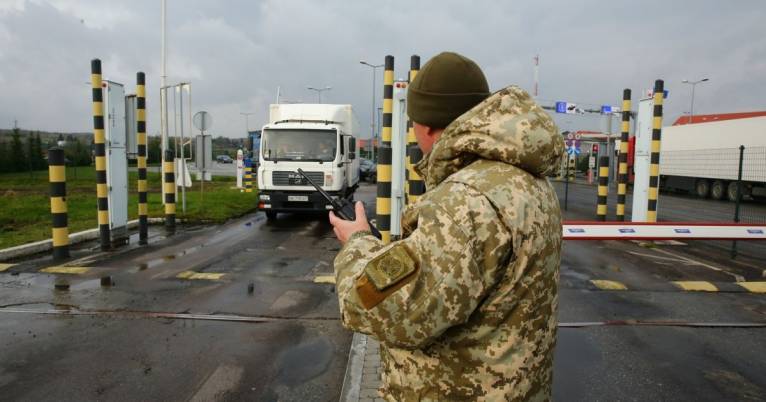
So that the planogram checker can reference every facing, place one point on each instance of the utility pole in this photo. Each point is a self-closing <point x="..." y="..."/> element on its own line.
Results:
<point x="163" y="97"/>
<point x="373" y="127"/>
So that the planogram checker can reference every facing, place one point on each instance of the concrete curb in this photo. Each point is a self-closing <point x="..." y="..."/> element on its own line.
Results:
<point x="352" y="381"/>
<point x="47" y="245"/>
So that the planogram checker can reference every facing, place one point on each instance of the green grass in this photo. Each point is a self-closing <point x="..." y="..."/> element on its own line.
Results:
<point x="25" y="205"/>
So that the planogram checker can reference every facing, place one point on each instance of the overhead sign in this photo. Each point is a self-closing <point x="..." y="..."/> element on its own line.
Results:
<point x="609" y="109"/>
<point x="561" y="107"/>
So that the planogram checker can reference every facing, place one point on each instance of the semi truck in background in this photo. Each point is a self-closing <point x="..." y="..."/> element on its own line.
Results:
<point x="321" y="139"/>
<point x="703" y="158"/>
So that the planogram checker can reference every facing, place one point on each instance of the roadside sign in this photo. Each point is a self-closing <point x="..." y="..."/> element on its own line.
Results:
<point x="606" y="109"/>
<point x="572" y="108"/>
<point x="592" y="162"/>
<point x="203" y="120"/>
<point x="561" y="107"/>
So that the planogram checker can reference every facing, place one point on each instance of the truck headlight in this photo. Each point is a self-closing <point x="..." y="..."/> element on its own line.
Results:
<point x="328" y="180"/>
<point x="264" y="197"/>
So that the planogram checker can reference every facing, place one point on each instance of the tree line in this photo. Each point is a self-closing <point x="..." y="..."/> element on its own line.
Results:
<point x="30" y="152"/>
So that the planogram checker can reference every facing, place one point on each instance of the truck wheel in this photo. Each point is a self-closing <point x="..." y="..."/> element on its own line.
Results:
<point x="731" y="191"/>
<point x="702" y="188"/>
<point x="271" y="215"/>
<point x="718" y="190"/>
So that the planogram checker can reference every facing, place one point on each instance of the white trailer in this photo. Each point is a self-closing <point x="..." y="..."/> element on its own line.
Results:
<point x="703" y="158"/>
<point x="318" y="138"/>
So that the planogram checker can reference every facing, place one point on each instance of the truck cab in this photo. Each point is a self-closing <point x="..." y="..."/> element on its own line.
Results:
<point x="320" y="139"/>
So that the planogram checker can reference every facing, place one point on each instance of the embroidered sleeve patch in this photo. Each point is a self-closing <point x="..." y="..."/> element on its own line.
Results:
<point x="389" y="268"/>
<point x="384" y="275"/>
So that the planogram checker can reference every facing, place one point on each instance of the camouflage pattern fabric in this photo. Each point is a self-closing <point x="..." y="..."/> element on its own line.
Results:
<point x="465" y="304"/>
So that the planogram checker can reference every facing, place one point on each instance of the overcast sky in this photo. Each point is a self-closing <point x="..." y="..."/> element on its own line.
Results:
<point x="237" y="52"/>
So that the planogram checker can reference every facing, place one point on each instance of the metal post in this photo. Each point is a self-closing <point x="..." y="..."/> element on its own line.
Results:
<point x="169" y="182"/>
<point x="99" y="142"/>
<point x="416" y="185"/>
<point x="373" y="115"/>
<point x="57" y="177"/>
<point x="654" y="167"/>
<point x="143" y="209"/>
<point x="622" y="174"/>
<point x="566" y="184"/>
<point x="603" y="187"/>
<point x="739" y="197"/>
<point x="383" y="202"/>
<point x="183" y="161"/>
<point x="163" y="95"/>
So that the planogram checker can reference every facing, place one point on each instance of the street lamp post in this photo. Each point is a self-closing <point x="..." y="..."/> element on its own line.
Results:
<point x="372" y="115"/>
<point x="319" y="92"/>
<point x="693" y="84"/>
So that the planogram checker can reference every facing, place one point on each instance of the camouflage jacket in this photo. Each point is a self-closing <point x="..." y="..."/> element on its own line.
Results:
<point x="465" y="304"/>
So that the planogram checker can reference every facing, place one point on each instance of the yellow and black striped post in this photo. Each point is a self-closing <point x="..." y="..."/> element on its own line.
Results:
<point x="416" y="185"/>
<point x="99" y="143"/>
<point x="622" y="174"/>
<point x="654" y="167"/>
<point x="57" y="175"/>
<point x="143" y="207"/>
<point x="383" y="201"/>
<point x="169" y="183"/>
<point x="249" y="177"/>
<point x="603" y="187"/>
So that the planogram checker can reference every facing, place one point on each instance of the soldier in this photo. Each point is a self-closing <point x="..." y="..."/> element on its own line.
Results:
<point x="464" y="306"/>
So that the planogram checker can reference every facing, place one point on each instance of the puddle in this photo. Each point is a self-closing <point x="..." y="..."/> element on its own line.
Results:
<point x="304" y="362"/>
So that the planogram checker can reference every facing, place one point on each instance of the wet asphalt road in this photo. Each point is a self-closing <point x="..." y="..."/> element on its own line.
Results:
<point x="297" y="350"/>
<point x="298" y="353"/>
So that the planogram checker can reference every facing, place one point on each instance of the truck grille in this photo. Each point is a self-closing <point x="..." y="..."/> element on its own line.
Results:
<point x="282" y="178"/>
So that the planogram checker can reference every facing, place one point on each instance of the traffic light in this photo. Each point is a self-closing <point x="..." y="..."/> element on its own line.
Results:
<point x="594" y="149"/>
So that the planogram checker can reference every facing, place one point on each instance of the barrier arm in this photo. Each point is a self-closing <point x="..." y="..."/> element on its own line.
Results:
<point x="592" y="230"/>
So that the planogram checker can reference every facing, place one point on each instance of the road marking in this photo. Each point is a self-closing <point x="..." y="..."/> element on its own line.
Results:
<point x="66" y="270"/>
<point x="4" y="267"/>
<point x="325" y="279"/>
<point x="191" y="275"/>
<point x="223" y="380"/>
<point x="689" y="262"/>
<point x="696" y="286"/>
<point x="604" y="284"/>
<point x="753" y="287"/>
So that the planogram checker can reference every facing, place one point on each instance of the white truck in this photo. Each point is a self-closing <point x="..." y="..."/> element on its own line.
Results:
<point x="318" y="138"/>
<point x="703" y="158"/>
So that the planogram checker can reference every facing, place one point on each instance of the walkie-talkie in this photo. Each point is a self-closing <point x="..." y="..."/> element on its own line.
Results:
<point x="342" y="207"/>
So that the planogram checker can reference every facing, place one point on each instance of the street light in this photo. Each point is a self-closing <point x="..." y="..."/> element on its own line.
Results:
<point x="319" y="91"/>
<point x="247" y="126"/>
<point x="693" y="84"/>
<point x="372" y="115"/>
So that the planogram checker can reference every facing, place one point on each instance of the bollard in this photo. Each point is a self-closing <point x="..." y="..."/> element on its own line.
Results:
<point x="57" y="176"/>
<point x="99" y="143"/>
<point x="416" y="185"/>
<point x="248" y="176"/>
<point x="383" y="201"/>
<point x="169" y="186"/>
<point x="603" y="187"/>
<point x="143" y="208"/>
<point x="654" y="167"/>
<point x="622" y="175"/>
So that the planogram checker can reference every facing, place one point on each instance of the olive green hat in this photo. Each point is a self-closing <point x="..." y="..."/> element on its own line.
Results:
<point x="446" y="87"/>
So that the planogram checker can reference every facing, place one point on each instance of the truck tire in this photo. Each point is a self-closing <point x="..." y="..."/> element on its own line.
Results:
<point x="702" y="188"/>
<point x="271" y="215"/>
<point x="718" y="190"/>
<point x="731" y="191"/>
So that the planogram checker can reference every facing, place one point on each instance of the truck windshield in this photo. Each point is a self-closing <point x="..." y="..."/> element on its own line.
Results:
<point x="299" y="145"/>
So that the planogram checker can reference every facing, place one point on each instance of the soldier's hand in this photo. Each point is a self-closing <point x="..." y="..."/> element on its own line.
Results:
<point x="344" y="229"/>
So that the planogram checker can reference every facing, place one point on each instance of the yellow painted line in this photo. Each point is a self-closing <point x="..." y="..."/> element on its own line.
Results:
<point x="696" y="286"/>
<point x="325" y="279"/>
<point x="65" y="270"/>
<point x="754" y="287"/>
<point x="191" y="275"/>
<point x="5" y="267"/>
<point x="604" y="284"/>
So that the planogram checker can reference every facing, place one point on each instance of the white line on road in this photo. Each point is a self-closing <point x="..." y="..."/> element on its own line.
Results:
<point x="689" y="262"/>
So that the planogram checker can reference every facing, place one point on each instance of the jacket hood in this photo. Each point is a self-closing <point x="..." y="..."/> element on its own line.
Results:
<point x="508" y="127"/>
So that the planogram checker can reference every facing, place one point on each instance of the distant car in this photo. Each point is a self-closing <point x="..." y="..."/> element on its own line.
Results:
<point x="224" y="159"/>
<point x="368" y="170"/>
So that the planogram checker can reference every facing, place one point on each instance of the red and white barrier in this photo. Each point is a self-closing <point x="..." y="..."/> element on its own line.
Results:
<point x="589" y="230"/>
